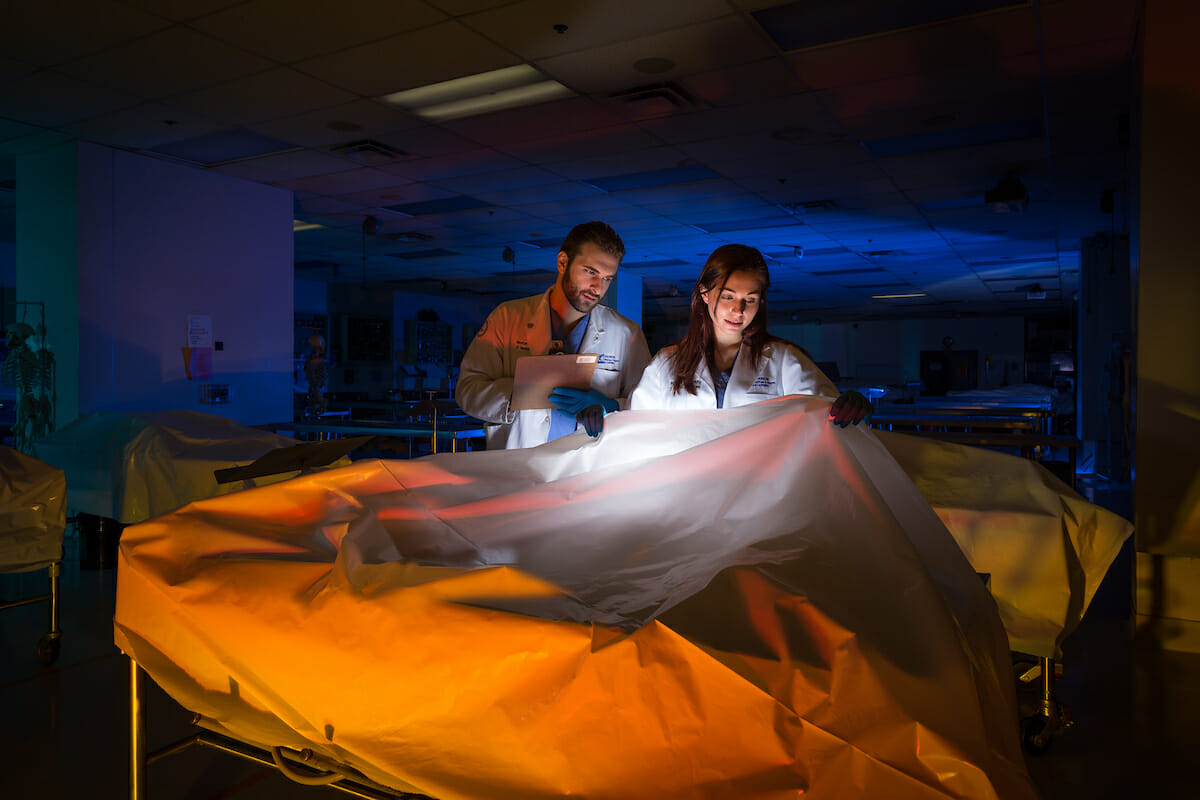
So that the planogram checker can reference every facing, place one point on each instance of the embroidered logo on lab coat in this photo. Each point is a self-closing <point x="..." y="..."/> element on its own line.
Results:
<point x="607" y="361"/>
<point x="761" y="384"/>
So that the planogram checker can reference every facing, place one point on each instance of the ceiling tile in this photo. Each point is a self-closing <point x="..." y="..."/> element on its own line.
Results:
<point x="50" y="32"/>
<point x="340" y="124"/>
<point x="567" y="118"/>
<point x="144" y="126"/>
<point x="181" y="10"/>
<point x="166" y="63"/>
<point x="528" y="27"/>
<point x="25" y="99"/>
<point x="287" y="31"/>
<point x="276" y="93"/>
<point x="704" y="46"/>
<point x="338" y="183"/>
<point x="283" y="167"/>
<point x="653" y="158"/>
<point x="454" y="165"/>
<point x="498" y="181"/>
<point x="437" y="53"/>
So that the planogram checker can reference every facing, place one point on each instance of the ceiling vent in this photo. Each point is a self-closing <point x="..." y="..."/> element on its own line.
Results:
<point x="369" y="152"/>
<point x="408" y="236"/>
<point x="655" y="100"/>
<point x="809" y="207"/>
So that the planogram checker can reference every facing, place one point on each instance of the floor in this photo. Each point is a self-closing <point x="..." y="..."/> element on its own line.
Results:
<point x="65" y="734"/>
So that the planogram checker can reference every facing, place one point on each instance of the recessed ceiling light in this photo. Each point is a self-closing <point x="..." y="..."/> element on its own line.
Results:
<point x="510" y="87"/>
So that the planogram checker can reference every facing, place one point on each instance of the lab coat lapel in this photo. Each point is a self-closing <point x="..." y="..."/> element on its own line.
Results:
<point x="742" y="377"/>
<point x="538" y="327"/>
<point x="595" y="331"/>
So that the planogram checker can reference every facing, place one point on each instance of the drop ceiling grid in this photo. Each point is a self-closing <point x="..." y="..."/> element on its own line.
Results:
<point x="285" y="166"/>
<point x="941" y="46"/>
<point x="371" y="118"/>
<point x="440" y="52"/>
<point x="49" y="33"/>
<point x="147" y="125"/>
<point x="342" y="183"/>
<point x="74" y="100"/>
<point x="567" y="119"/>
<point x="527" y="28"/>
<point x="274" y="94"/>
<point x="287" y="31"/>
<point x="168" y="63"/>
<point x="696" y="48"/>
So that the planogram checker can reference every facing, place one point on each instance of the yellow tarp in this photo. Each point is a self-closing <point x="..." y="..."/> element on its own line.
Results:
<point x="33" y="512"/>
<point x="749" y="603"/>
<point x="129" y="467"/>
<point x="1045" y="547"/>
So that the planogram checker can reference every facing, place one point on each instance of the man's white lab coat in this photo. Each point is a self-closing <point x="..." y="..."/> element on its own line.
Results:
<point x="522" y="328"/>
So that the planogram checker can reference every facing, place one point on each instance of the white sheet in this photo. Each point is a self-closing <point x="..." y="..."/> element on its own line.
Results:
<point x="746" y="603"/>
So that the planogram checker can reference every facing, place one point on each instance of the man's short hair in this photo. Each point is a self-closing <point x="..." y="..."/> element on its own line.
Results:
<point x="595" y="232"/>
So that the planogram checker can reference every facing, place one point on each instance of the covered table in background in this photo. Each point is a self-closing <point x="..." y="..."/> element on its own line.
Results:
<point x="33" y="516"/>
<point x="746" y="603"/>
<point x="131" y="466"/>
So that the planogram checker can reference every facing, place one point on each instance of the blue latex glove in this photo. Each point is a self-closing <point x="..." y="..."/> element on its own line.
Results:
<point x="573" y="401"/>
<point x="592" y="420"/>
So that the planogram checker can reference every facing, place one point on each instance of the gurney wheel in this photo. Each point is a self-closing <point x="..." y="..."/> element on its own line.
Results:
<point x="48" y="649"/>
<point x="1036" y="734"/>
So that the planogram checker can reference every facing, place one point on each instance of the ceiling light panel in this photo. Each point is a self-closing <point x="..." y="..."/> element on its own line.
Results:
<point x="495" y="90"/>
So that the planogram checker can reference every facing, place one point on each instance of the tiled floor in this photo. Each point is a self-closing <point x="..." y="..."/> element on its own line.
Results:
<point x="65" y="727"/>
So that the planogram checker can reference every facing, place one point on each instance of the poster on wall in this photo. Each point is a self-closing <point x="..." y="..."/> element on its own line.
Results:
<point x="197" y="353"/>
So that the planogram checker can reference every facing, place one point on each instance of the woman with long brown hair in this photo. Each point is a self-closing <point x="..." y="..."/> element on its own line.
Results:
<point x="727" y="358"/>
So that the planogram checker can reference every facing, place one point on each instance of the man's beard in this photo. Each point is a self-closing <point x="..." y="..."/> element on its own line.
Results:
<point x="576" y="297"/>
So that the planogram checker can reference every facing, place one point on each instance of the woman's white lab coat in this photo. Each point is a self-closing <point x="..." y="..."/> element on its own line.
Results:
<point x="783" y="369"/>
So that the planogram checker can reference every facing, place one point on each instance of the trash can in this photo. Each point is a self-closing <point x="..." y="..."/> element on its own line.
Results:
<point x="98" y="540"/>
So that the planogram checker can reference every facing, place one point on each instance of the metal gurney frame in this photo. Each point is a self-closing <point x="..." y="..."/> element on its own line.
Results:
<point x="49" y="645"/>
<point x="303" y="767"/>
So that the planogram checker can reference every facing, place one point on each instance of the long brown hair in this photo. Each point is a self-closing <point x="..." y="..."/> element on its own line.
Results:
<point x="699" y="340"/>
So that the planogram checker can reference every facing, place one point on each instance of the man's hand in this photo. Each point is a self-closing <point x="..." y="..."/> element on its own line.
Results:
<point x="588" y="406"/>
<point x="850" y="409"/>
<point x="573" y="401"/>
<point x="592" y="420"/>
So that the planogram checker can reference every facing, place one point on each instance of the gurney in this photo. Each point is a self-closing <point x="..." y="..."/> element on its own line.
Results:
<point x="749" y="603"/>
<point x="33" y="517"/>
<point x="1044" y="548"/>
<point x="129" y="467"/>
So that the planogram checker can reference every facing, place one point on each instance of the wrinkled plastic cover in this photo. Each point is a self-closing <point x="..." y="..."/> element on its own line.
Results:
<point x="749" y="603"/>
<point x="1045" y="548"/>
<point x="130" y="467"/>
<point x="33" y="512"/>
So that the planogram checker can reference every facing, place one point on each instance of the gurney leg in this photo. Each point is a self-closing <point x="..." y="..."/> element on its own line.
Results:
<point x="137" y="741"/>
<point x="50" y="644"/>
<point x="1039" y="730"/>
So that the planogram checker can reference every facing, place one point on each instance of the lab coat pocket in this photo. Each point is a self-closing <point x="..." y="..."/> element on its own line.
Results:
<point x="607" y="381"/>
